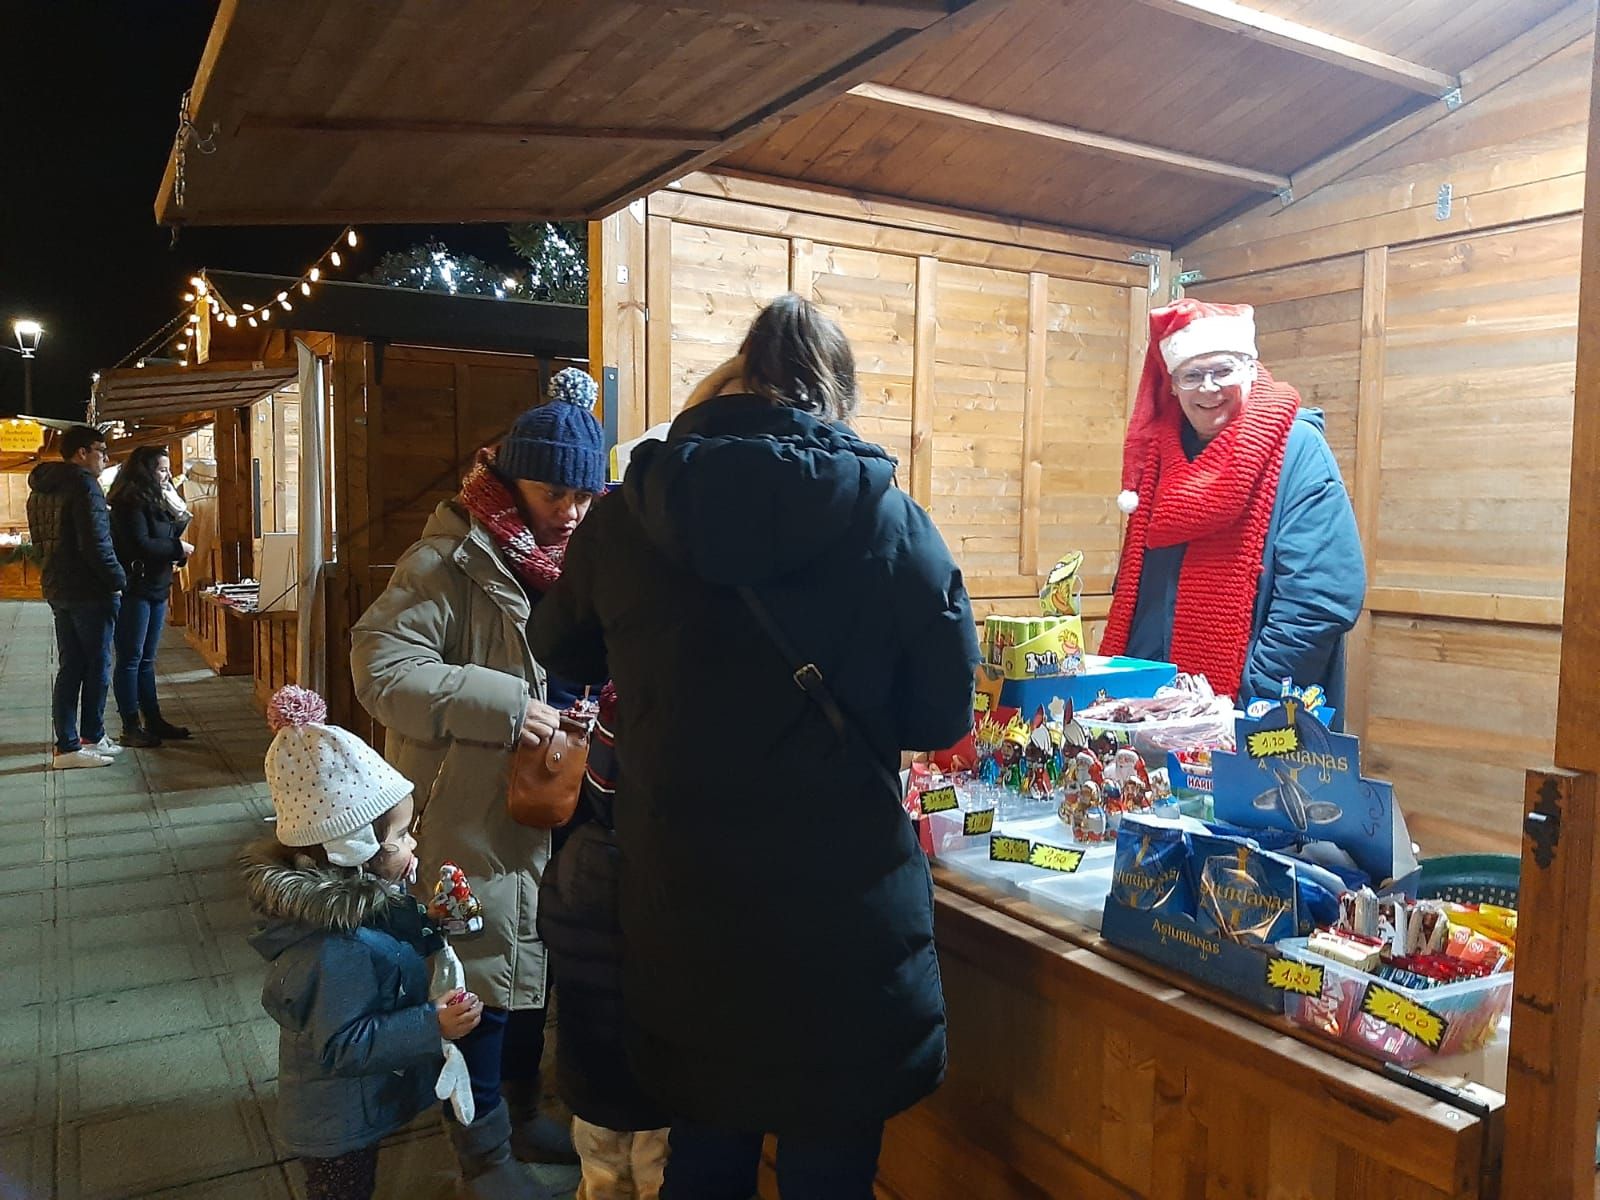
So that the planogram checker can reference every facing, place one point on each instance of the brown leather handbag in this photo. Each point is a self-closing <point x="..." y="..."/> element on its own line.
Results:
<point x="544" y="781"/>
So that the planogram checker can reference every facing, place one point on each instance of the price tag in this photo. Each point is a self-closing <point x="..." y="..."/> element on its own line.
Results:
<point x="1303" y="979"/>
<point x="940" y="799"/>
<point x="1273" y="743"/>
<point x="981" y="703"/>
<point x="974" y="823"/>
<point x="1055" y="858"/>
<point x="1009" y="849"/>
<point x="1405" y="1014"/>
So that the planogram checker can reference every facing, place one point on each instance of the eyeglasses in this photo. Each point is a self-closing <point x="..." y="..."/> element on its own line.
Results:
<point x="1192" y="379"/>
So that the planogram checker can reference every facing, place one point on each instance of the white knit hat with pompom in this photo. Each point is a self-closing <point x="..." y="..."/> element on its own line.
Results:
<point x="328" y="786"/>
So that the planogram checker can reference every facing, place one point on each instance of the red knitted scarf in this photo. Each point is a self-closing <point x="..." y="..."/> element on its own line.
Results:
<point x="486" y="497"/>
<point x="1219" y="506"/>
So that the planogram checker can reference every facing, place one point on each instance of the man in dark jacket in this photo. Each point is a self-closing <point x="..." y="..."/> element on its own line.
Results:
<point x="69" y="522"/>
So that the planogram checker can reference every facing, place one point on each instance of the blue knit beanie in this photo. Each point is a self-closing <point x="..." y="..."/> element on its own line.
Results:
<point x="559" y="442"/>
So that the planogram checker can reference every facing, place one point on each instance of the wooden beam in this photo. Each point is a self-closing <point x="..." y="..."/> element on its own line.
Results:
<point x="1369" y="470"/>
<point x="617" y="312"/>
<point x="1539" y="611"/>
<point x="1083" y="139"/>
<point x="1578" y="710"/>
<point x="890" y="14"/>
<point x="658" y="327"/>
<point x="731" y="183"/>
<point x="1313" y="43"/>
<point x="1553" y="1070"/>
<point x="883" y="55"/>
<point x="1571" y="24"/>
<point x="1038" y="337"/>
<point x="745" y="218"/>
<point x="518" y="131"/>
<point x="922" y="397"/>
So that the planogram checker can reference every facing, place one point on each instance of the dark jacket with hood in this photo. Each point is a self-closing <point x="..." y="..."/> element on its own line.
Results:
<point x="580" y="925"/>
<point x="148" y="541"/>
<point x="779" y="971"/>
<point x="68" y="521"/>
<point x="359" y="1049"/>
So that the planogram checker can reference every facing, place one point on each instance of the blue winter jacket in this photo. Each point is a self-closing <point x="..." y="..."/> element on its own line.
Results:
<point x="1313" y="579"/>
<point x="359" y="1049"/>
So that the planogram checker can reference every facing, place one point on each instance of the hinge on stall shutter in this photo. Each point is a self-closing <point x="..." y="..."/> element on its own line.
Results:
<point x="1151" y="259"/>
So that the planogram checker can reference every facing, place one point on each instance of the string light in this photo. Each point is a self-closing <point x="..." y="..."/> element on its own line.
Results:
<point x="188" y="297"/>
<point x="248" y="307"/>
<point x="252" y="322"/>
<point x="315" y="273"/>
<point x="287" y="307"/>
<point x="350" y="236"/>
<point x="266" y="314"/>
<point x="194" y="318"/>
<point x="305" y="288"/>
<point x="333" y="257"/>
<point x="232" y="320"/>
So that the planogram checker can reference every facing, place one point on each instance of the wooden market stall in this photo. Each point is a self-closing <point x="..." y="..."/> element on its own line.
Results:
<point x="989" y="206"/>
<point x="408" y="386"/>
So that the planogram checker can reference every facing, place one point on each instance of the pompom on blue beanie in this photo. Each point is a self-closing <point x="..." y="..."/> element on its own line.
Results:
<point x="560" y="442"/>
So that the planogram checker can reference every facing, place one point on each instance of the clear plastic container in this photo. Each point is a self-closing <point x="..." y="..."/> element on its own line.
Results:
<point x="1472" y="1011"/>
<point x="1080" y="897"/>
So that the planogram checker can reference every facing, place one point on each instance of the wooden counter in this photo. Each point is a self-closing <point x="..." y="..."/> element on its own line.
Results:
<point x="1075" y="1075"/>
<point x="277" y="641"/>
<point x="219" y="634"/>
<point x="19" y="580"/>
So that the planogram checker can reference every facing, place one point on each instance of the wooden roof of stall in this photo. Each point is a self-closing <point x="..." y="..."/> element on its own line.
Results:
<point x="128" y="393"/>
<point x="1153" y="119"/>
<point x="480" y="110"/>
<point x="1146" y="119"/>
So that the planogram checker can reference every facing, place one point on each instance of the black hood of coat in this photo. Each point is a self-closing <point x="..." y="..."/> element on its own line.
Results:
<point x="54" y="477"/>
<point x="743" y="491"/>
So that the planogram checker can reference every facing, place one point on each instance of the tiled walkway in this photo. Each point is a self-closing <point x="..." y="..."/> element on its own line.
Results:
<point x="134" y="1057"/>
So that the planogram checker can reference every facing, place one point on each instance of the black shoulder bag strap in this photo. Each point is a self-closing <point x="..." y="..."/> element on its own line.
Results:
<point x="808" y="678"/>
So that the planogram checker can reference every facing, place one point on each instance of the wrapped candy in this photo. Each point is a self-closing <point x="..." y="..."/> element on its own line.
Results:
<point x="454" y="908"/>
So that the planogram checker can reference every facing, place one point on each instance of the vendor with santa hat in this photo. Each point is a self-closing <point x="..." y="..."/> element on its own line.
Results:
<point x="1242" y="561"/>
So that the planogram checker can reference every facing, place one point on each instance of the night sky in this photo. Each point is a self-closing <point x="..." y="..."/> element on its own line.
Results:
<point x="89" y="96"/>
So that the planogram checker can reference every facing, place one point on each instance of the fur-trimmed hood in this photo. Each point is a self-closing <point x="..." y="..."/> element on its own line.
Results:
<point x="296" y="899"/>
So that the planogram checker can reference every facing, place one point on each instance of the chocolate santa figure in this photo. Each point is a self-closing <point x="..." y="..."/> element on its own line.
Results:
<point x="453" y="907"/>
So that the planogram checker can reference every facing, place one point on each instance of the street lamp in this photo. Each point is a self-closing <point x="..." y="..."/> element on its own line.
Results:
<point x="28" y="333"/>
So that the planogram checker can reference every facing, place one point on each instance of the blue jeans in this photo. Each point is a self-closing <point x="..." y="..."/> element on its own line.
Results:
<point x="720" y="1164"/>
<point x="506" y="1045"/>
<point x="139" y="626"/>
<point x="83" y="642"/>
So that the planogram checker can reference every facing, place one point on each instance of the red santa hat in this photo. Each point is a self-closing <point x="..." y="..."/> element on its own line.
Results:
<point x="1178" y="333"/>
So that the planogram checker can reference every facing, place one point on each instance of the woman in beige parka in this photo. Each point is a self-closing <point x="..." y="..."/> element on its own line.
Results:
<point x="441" y="660"/>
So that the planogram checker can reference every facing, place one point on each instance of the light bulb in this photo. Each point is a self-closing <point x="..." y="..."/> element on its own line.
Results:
<point x="287" y="307"/>
<point x="266" y="314"/>
<point x="351" y="238"/>
<point x="199" y="286"/>
<point x="194" y="318"/>
<point x="252" y="321"/>
<point x="248" y="307"/>
<point x="139" y="364"/>
<point x="335" y="259"/>
<point x="305" y="289"/>
<point x="232" y="320"/>
<point x="196" y="282"/>
<point x="188" y="297"/>
<point x="316" y="274"/>
<point x="511" y="284"/>
<point x="282" y="296"/>
<point x="181" y="347"/>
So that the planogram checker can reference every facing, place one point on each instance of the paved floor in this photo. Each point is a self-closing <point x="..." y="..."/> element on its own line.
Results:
<point x="134" y="1057"/>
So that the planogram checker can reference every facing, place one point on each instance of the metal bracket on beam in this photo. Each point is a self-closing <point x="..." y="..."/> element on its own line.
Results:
<point x="1191" y="277"/>
<point x="1445" y="203"/>
<point x="1452" y="99"/>
<point x="1286" y="196"/>
<point x="1151" y="259"/>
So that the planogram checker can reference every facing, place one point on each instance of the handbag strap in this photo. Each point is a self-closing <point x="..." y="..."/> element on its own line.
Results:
<point x="808" y="678"/>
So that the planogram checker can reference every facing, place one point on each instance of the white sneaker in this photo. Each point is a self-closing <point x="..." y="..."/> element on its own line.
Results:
<point x="79" y="758"/>
<point x="105" y="746"/>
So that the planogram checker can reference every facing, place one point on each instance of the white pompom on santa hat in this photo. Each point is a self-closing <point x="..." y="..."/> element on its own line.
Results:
<point x="1178" y="333"/>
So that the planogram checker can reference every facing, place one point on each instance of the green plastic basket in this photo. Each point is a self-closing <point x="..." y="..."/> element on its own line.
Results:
<point x="1472" y="879"/>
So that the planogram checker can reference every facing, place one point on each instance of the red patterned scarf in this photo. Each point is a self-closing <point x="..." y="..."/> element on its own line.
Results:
<point x="486" y="497"/>
<point x="1219" y="506"/>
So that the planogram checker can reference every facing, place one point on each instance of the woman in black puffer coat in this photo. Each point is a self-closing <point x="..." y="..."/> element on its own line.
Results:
<point x="147" y="525"/>
<point x="779" y="972"/>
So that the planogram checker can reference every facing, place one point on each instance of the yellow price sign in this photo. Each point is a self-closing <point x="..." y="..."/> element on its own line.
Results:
<point x="1405" y="1014"/>
<point x="981" y="703"/>
<point x="1055" y="858"/>
<point x="940" y="799"/>
<point x="1273" y="743"/>
<point x="1009" y="849"/>
<point x="1303" y="979"/>
<point x="975" y="823"/>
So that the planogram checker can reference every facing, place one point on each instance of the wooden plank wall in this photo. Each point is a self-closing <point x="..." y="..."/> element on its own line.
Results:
<point x="1443" y="347"/>
<point x="993" y="359"/>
